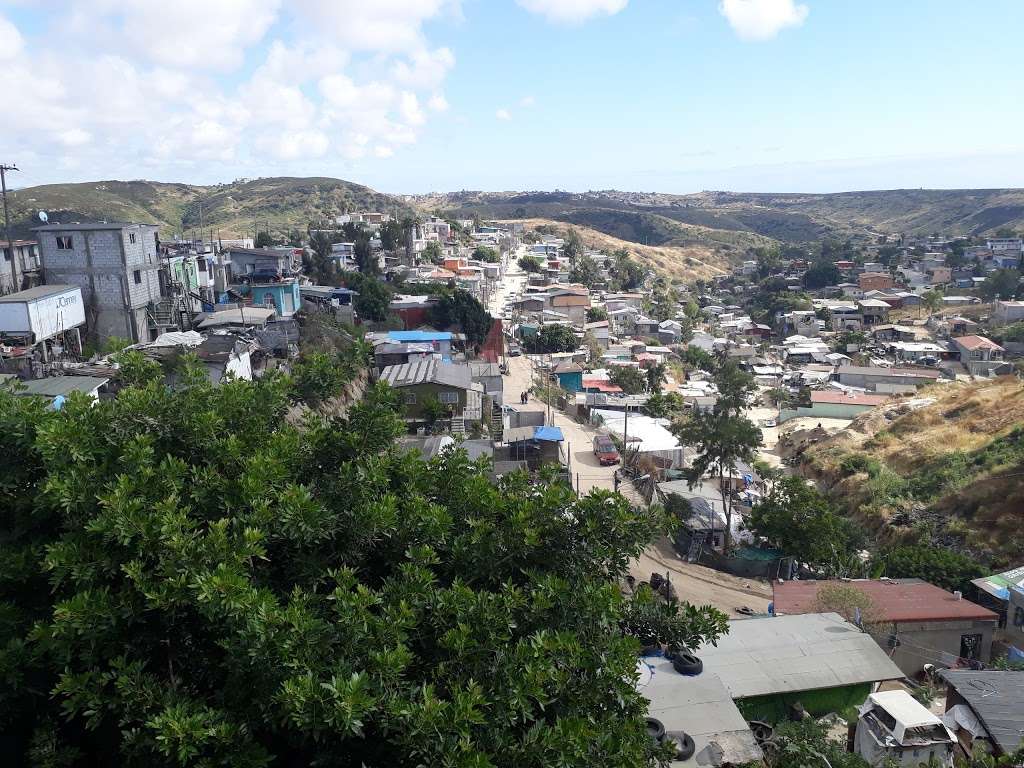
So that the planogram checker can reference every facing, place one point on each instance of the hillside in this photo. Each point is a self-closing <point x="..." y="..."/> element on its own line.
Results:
<point x="795" y="218"/>
<point x="953" y="469"/>
<point x="278" y="204"/>
<point x="685" y="263"/>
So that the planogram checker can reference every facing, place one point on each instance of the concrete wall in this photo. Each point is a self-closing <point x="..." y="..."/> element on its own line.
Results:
<point x="104" y="264"/>
<point x="936" y="642"/>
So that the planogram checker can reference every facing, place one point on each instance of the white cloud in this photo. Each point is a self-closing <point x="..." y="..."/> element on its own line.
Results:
<point x="527" y="101"/>
<point x="762" y="19"/>
<point x="373" y="25"/>
<point x="572" y="11"/>
<point x="503" y="114"/>
<point x="10" y="40"/>
<point x="74" y="137"/>
<point x="199" y="82"/>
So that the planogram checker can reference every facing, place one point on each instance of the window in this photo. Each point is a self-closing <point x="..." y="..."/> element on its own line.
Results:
<point x="137" y="276"/>
<point x="201" y="263"/>
<point x="449" y="398"/>
<point x="7" y="254"/>
<point x="131" y="238"/>
<point x="410" y="398"/>
<point x="63" y="242"/>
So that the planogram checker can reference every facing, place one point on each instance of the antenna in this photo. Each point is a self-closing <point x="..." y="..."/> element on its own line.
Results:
<point x="43" y="217"/>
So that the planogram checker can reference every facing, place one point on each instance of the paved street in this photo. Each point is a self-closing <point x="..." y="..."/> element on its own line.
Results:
<point x="694" y="583"/>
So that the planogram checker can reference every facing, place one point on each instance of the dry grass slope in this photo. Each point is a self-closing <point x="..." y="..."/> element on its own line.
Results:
<point x="684" y="263"/>
<point x="956" y="465"/>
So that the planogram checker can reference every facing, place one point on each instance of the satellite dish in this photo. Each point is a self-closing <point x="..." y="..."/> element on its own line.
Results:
<point x="43" y="217"/>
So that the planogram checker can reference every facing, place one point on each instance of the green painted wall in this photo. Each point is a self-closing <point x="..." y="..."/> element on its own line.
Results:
<point x="775" y="708"/>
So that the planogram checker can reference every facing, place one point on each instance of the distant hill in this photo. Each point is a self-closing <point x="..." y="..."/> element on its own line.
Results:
<point x="230" y="210"/>
<point x="733" y="218"/>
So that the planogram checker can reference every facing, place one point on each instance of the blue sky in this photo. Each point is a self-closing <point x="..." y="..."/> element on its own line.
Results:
<point x="433" y="95"/>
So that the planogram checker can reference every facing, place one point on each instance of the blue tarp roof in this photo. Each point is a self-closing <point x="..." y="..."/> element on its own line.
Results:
<point x="420" y="335"/>
<point x="549" y="434"/>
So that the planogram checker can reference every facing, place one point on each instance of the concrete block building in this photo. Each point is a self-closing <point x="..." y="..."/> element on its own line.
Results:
<point x="117" y="267"/>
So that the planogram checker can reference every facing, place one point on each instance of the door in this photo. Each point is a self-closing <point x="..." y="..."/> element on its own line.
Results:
<point x="970" y="647"/>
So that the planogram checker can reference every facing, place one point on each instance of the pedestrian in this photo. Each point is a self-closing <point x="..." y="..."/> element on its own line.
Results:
<point x="615" y="479"/>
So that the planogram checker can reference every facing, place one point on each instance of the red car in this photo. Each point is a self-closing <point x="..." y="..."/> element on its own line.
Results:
<point x="605" y="450"/>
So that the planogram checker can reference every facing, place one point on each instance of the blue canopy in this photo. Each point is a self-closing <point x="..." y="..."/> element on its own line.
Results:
<point x="548" y="434"/>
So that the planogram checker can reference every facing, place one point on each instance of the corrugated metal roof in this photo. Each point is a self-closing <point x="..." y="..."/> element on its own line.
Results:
<point x="428" y="370"/>
<point x="788" y="654"/>
<point x="894" y="599"/>
<point x="998" y="700"/>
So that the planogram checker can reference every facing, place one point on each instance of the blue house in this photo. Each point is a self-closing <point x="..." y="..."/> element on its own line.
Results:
<point x="283" y="296"/>
<point x="440" y="340"/>
<point x="570" y="377"/>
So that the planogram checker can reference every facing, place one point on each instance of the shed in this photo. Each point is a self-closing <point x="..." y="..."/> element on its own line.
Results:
<point x="917" y="622"/>
<point x="818" y="659"/>
<point x="994" y="699"/>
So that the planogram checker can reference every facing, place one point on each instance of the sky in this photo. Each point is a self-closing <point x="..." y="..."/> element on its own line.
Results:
<point x="414" y="96"/>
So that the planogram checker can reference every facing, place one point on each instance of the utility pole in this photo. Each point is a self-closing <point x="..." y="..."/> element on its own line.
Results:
<point x="7" y="227"/>
<point x="625" y="436"/>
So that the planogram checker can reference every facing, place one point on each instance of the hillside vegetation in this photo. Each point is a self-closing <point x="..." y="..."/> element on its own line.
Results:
<point x="788" y="217"/>
<point x="950" y="471"/>
<point x="279" y="205"/>
<point x="686" y="263"/>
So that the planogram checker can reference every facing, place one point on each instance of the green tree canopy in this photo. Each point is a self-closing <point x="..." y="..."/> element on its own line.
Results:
<point x="1001" y="284"/>
<point x="796" y="519"/>
<point x="191" y="579"/>
<point x="529" y="264"/>
<point x="552" y="338"/>
<point x="392" y="235"/>
<point x="822" y="274"/>
<point x="460" y="308"/>
<point x="484" y="253"/>
<point x="585" y="271"/>
<point x="942" y="567"/>
<point x="629" y="378"/>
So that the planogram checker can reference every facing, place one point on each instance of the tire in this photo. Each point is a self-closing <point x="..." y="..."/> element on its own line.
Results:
<point x="656" y="581"/>
<point x="684" y="746"/>
<point x="685" y="663"/>
<point x="655" y="729"/>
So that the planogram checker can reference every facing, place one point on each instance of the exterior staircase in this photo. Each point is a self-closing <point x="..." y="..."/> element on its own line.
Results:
<point x="458" y="426"/>
<point x="497" y="423"/>
<point x="696" y="545"/>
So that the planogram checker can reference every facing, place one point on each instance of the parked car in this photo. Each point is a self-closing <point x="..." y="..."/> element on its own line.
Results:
<point x="514" y="350"/>
<point x="605" y="450"/>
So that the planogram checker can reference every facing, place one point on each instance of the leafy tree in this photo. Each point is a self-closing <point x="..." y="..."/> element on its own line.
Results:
<point x="931" y="300"/>
<point x="805" y="744"/>
<point x="318" y="377"/>
<point x="630" y="379"/>
<point x="392" y="236"/>
<point x="585" y="272"/>
<point x="650" y="620"/>
<point x="529" y="264"/>
<point x="572" y="246"/>
<point x="821" y="274"/>
<point x="695" y="357"/>
<point x="462" y="309"/>
<point x="364" y="256"/>
<point x="434" y="410"/>
<point x="627" y="273"/>
<point x="432" y="253"/>
<point x="374" y="297"/>
<point x="1001" y="284"/>
<point x="552" y="338"/>
<point x="848" y="601"/>
<point x="264" y="240"/>
<point x="722" y="437"/>
<point x="191" y="579"/>
<point x="656" y="375"/>
<point x="795" y="518"/>
<point x="942" y="567"/>
<point x="489" y="255"/>
<point x="669" y="405"/>
<point x="596" y="314"/>
<point x="320" y="266"/>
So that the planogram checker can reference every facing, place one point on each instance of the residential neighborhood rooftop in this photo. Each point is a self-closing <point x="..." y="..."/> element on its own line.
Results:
<point x="894" y="599"/>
